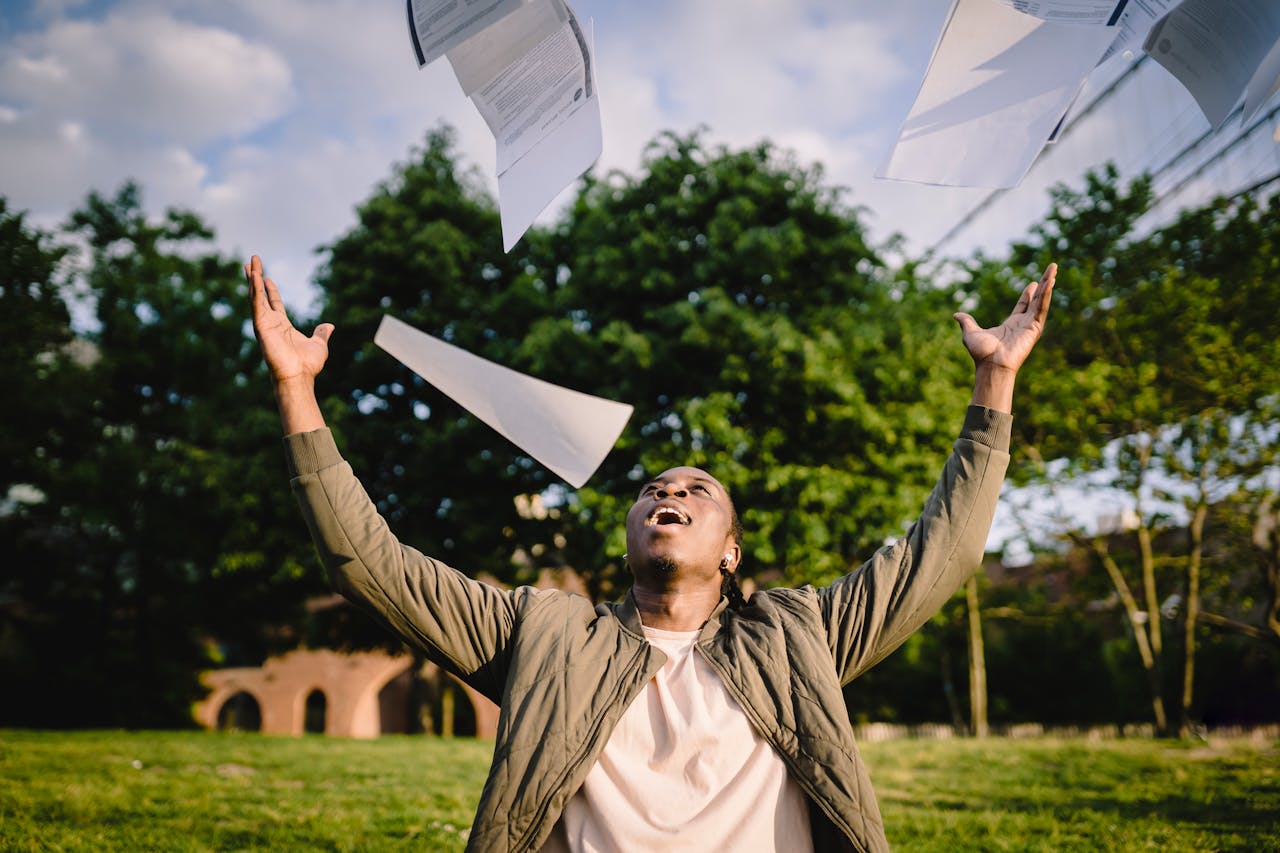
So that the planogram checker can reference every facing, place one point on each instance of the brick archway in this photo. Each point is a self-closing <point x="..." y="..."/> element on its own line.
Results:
<point x="350" y="683"/>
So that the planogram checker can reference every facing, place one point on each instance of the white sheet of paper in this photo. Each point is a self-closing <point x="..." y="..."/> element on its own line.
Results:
<point x="567" y="431"/>
<point x="997" y="85"/>
<point x="1215" y="48"/>
<point x="533" y="181"/>
<point x="436" y="26"/>
<point x="1095" y="13"/>
<point x="532" y="78"/>
<point x="1138" y="18"/>
<point x="484" y="56"/>
<point x="1265" y="83"/>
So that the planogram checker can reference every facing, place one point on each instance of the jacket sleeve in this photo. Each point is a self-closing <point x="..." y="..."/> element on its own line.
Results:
<point x="872" y="610"/>
<point x="462" y="624"/>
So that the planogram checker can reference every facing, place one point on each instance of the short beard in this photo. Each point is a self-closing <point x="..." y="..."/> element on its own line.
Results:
<point x="664" y="565"/>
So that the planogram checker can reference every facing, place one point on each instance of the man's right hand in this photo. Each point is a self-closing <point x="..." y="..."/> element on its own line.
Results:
<point x="290" y="354"/>
<point x="293" y="358"/>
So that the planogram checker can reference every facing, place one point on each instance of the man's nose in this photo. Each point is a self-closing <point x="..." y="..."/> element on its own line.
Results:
<point x="671" y="491"/>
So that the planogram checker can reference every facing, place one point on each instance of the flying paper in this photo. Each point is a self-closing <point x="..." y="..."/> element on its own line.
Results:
<point x="1215" y="49"/>
<point x="1134" y="24"/>
<point x="1265" y="83"/>
<point x="567" y="431"/>
<point x="1081" y="12"/>
<point x="436" y="26"/>
<point x="997" y="86"/>
<point x="528" y="69"/>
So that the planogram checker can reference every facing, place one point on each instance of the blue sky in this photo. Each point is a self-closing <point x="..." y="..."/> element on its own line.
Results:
<point x="274" y="119"/>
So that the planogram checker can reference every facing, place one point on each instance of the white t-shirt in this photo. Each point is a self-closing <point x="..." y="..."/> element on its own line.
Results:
<point x="684" y="771"/>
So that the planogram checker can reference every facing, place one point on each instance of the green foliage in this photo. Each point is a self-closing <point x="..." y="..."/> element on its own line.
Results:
<point x="730" y="296"/>
<point x="426" y="250"/>
<point x="733" y="299"/>
<point x="153" y="534"/>
<point x="1148" y="330"/>
<point x="1158" y="378"/>
<point x="34" y="327"/>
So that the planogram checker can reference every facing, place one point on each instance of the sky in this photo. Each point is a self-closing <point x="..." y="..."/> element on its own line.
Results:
<point x="273" y="120"/>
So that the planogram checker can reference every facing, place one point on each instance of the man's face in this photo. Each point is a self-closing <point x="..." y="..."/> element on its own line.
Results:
<point x="681" y="525"/>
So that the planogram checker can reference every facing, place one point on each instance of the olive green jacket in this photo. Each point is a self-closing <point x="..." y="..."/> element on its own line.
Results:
<point x="563" y="670"/>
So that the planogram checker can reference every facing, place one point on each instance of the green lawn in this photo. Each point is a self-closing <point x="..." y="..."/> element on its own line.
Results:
<point x="118" y="791"/>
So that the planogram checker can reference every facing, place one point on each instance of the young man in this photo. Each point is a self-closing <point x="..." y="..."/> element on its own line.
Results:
<point x="680" y="718"/>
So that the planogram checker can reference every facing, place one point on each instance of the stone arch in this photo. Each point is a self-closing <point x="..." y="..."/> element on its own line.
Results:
<point x="224" y="684"/>
<point x="315" y="712"/>
<point x="350" y="684"/>
<point x="240" y="711"/>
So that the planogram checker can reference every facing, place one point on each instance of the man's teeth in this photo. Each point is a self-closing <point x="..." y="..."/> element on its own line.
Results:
<point x="667" y="515"/>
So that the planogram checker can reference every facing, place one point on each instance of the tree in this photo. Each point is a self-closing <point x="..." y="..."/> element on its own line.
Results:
<point x="35" y="329"/>
<point x="154" y="537"/>
<point x="730" y="296"/>
<point x="733" y="298"/>
<point x="426" y="250"/>
<point x="1157" y="380"/>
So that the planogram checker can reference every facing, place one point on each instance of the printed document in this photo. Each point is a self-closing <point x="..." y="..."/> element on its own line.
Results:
<point x="436" y="26"/>
<point x="1098" y="13"/>
<point x="532" y="78"/>
<point x="1138" y="18"/>
<point x="1215" y="49"/>
<point x="527" y="66"/>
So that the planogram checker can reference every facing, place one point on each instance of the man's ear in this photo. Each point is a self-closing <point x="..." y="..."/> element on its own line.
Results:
<point x="732" y="556"/>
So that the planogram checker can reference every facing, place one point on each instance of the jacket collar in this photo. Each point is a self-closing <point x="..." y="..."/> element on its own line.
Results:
<point x="628" y="614"/>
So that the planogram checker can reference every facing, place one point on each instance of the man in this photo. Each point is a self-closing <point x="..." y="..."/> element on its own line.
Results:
<point x="676" y="719"/>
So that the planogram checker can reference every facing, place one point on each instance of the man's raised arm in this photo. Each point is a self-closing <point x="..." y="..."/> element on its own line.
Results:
<point x="872" y="610"/>
<point x="462" y="624"/>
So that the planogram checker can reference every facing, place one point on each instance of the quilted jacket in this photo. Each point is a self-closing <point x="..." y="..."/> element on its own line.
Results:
<point x="563" y="670"/>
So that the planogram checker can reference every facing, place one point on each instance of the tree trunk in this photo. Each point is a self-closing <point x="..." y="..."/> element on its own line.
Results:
<point x="977" y="663"/>
<point x="446" y="706"/>
<point x="1150" y="592"/>
<point x="1138" y="621"/>
<point x="1192" y="613"/>
<point x="1266" y="537"/>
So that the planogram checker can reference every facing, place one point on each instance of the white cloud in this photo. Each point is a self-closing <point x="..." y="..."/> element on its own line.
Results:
<point x="137" y="77"/>
<point x="273" y="120"/>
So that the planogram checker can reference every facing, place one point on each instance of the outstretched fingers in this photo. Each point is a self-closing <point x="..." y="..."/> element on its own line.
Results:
<point x="1044" y="294"/>
<point x="1024" y="300"/>
<point x="273" y="295"/>
<point x="257" y="293"/>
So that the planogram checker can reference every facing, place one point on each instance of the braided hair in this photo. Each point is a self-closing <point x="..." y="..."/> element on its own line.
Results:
<point x="729" y="582"/>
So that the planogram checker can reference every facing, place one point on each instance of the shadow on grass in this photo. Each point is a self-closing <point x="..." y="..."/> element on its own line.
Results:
<point x="1226" y="815"/>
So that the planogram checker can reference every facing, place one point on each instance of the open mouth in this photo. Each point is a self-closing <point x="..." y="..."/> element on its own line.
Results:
<point x="666" y="515"/>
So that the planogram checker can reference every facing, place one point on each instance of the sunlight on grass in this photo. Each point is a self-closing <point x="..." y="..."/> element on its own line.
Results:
<point x="192" y="791"/>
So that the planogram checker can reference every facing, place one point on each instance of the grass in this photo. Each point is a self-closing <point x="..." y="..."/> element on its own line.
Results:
<point x="1050" y="795"/>
<point x="120" y="791"/>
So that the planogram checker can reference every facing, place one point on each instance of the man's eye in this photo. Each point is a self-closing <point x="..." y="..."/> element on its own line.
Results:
<point x="702" y="489"/>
